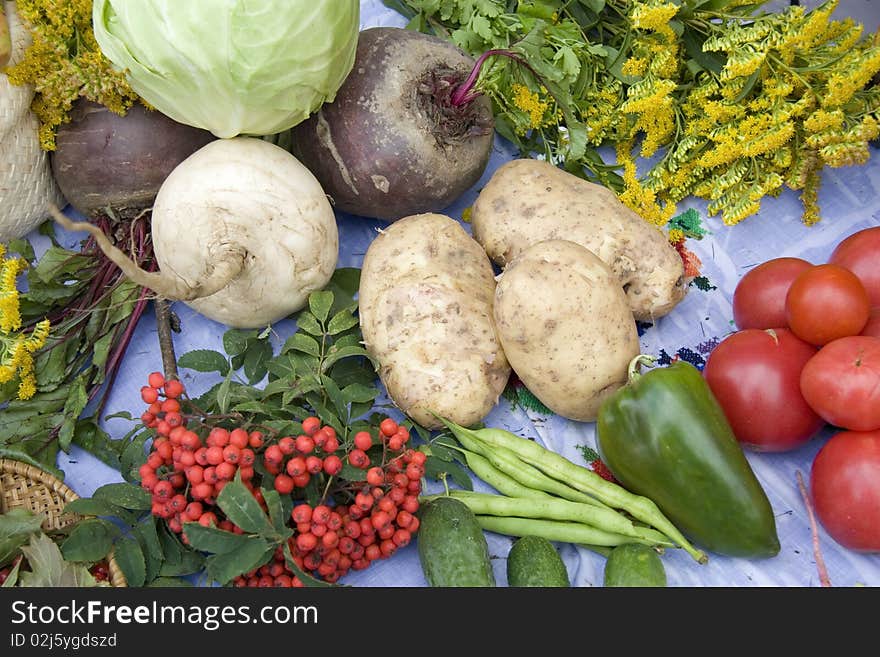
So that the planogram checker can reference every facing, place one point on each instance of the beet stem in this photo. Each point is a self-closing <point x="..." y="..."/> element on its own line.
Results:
<point x="465" y="93"/>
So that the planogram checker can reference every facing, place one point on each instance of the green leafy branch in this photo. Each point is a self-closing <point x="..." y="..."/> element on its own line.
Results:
<point x="117" y="519"/>
<point x="321" y="369"/>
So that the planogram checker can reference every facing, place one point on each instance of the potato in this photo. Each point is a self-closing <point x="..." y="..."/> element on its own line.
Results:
<point x="565" y="327"/>
<point x="425" y="303"/>
<point x="527" y="201"/>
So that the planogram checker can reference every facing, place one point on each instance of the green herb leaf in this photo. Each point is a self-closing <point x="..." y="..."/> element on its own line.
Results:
<point x="240" y="506"/>
<point x="204" y="360"/>
<point x="357" y="392"/>
<point x="126" y="495"/>
<point x="335" y="395"/>
<point x="48" y="569"/>
<point x="441" y="452"/>
<point x="213" y="540"/>
<point x="130" y="558"/>
<point x="134" y="455"/>
<point x="320" y="303"/>
<point x="148" y="538"/>
<point x="693" y="42"/>
<point x="235" y="341"/>
<point x="89" y="506"/>
<point x="344" y="285"/>
<point x="306" y="321"/>
<point x="77" y="398"/>
<point x="101" y="352"/>
<point x="255" y="361"/>
<point x="223" y="393"/>
<point x="335" y="355"/>
<point x="16" y="527"/>
<point x="179" y="559"/>
<point x="435" y="468"/>
<point x="224" y="567"/>
<point x="341" y="321"/>
<point x="166" y="582"/>
<point x="12" y="576"/>
<point x="23" y="248"/>
<point x="277" y="513"/>
<point x="92" y="438"/>
<point x="89" y="541"/>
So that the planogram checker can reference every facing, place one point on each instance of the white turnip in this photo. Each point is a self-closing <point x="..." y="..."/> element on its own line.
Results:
<point x="395" y="141"/>
<point x="242" y="233"/>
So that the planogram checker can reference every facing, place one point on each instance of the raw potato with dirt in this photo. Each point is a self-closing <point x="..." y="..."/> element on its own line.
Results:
<point x="565" y="327"/>
<point x="425" y="303"/>
<point x="527" y="201"/>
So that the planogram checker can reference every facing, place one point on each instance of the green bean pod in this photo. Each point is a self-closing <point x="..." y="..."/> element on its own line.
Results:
<point x="578" y="477"/>
<point x="497" y="479"/>
<point x="561" y="531"/>
<point x="556" y="509"/>
<point x="526" y="474"/>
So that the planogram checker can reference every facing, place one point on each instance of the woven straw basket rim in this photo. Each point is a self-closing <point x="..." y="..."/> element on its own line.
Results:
<point x="25" y="486"/>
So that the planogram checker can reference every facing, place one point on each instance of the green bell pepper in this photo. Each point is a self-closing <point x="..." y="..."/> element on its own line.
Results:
<point x="664" y="435"/>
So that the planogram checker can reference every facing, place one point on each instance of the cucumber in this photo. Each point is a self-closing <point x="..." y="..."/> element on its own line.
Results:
<point x="533" y="561"/>
<point x="633" y="564"/>
<point x="452" y="547"/>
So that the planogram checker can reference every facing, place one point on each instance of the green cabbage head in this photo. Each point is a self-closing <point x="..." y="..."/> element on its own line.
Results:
<point x="252" y="67"/>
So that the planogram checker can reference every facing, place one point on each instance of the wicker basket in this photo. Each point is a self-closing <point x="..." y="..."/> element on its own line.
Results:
<point x="27" y="185"/>
<point x="23" y="486"/>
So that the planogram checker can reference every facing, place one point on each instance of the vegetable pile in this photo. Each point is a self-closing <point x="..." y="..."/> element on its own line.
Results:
<point x="208" y="155"/>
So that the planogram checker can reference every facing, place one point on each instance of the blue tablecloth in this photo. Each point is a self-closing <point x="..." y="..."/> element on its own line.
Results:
<point x="850" y="200"/>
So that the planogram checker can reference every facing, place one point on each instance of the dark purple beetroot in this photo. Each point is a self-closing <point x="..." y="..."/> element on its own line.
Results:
<point x="392" y="143"/>
<point x="106" y="160"/>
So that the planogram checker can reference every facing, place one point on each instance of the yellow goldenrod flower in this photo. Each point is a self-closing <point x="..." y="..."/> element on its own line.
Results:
<point x="530" y="103"/>
<point x="17" y="347"/>
<point x="742" y="63"/>
<point x="640" y="199"/>
<point x="10" y="268"/>
<point x="655" y="16"/>
<point x="823" y="119"/>
<point x="64" y="63"/>
<point x="634" y="66"/>
<point x="38" y="336"/>
<point x="814" y="28"/>
<point x="27" y="387"/>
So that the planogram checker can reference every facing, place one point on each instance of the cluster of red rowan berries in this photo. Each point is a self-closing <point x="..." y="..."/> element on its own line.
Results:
<point x="185" y="473"/>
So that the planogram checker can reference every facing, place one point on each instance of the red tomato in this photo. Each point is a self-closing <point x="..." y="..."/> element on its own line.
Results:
<point x="842" y="383"/>
<point x="755" y="375"/>
<point x="826" y="302"/>
<point x="860" y="253"/>
<point x="845" y="488"/>
<point x="873" y="326"/>
<point x="759" y="297"/>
